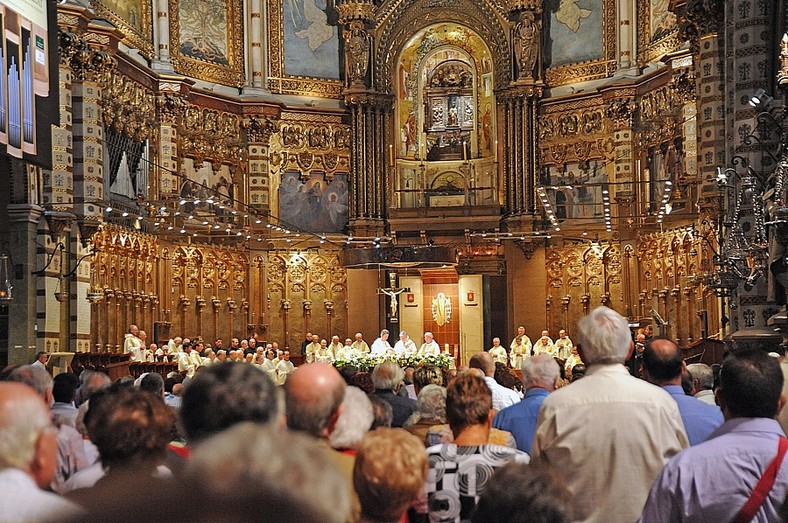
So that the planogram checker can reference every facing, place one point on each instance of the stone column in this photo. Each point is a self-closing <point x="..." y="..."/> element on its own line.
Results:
<point x="256" y="56"/>
<point x="161" y="36"/>
<point x="259" y="129"/>
<point x="170" y="105"/>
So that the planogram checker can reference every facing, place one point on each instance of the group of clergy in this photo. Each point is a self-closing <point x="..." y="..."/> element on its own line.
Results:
<point x="522" y="348"/>
<point x="316" y="349"/>
<point x="192" y="354"/>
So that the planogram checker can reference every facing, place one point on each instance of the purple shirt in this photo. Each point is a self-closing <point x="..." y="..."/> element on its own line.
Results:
<point x="713" y="480"/>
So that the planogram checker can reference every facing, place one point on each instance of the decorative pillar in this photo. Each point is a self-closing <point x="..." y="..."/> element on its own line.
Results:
<point x="256" y="56"/>
<point x="517" y="106"/>
<point x="371" y="124"/>
<point x="259" y="129"/>
<point x="171" y="105"/>
<point x="161" y="37"/>
<point x="520" y="139"/>
<point x="620" y="111"/>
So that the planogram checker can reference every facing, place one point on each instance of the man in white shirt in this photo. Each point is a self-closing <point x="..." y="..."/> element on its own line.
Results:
<point x="502" y="397"/>
<point x="347" y="352"/>
<point x="525" y="340"/>
<point x="185" y="363"/>
<point x="29" y="458"/>
<point x="131" y="341"/>
<point x="41" y="360"/>
<point x="405" y="345"/>
<point x="703" y="382"/>
<point x="563" y="345"/>
<point x="381" y="345"/>
<point x="268" y="366"/>
<point x="608" y="434"/>
<point x="360" y="346"/>
<point x="429" y="347"/>
<point x="311" y="348"/>
<point x="498" y="352"/>
<point x="335" y="346"/>
<point x="284" y="368"/>
<point x="544" y="345"/>
<point x="323" y="354"/>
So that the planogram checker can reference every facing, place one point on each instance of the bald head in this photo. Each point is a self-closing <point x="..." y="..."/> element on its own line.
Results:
<point x="27" y="443"/>
<point x="662" y="362"/>
<point x="484" y="362"/>
<point x="313" y="395"/>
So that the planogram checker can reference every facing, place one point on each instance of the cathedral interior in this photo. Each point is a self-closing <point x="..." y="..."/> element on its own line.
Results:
<point x="272" y="167"/>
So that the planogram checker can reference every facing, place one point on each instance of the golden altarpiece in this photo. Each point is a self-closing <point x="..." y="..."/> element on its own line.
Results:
<point x="523" y="161"/>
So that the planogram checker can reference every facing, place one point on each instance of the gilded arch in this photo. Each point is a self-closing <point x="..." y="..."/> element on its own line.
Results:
<point x="409" y="17"/>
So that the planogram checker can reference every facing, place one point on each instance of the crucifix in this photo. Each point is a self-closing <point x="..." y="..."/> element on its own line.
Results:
<point x="392" y="292"/>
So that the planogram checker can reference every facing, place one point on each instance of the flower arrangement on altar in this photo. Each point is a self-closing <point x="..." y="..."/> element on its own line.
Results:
<point x="366" y="362"/>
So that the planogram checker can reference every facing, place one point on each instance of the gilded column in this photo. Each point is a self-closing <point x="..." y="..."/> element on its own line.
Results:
<point x="370" y="124"/>
<point x="517" y="105"/>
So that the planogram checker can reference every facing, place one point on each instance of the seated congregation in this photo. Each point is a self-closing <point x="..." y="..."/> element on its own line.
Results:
<point x="395" y="445"/>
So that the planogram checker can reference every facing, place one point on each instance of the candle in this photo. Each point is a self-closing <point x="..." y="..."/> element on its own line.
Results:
<point x="464" y="152"/>
<point x="391" y="154"/>
<point x="423" y="150"/>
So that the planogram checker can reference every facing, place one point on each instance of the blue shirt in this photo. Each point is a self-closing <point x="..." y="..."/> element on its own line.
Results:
<point x="520" y="418"/>
<point x="712" y="481"/>
<point x="700" y="419"/>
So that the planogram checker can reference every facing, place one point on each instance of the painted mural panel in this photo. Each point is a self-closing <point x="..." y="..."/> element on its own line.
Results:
<point x="316" y="205"/>
<point x="311" y="44"/>
<point x="203" y="30"/>
<point x="206" y="39"/>
<point x="574" y="31"/>
<point x="133" y="18"/>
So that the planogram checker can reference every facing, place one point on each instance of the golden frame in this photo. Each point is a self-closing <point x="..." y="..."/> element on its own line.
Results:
<point x="232" y="75"/>
<point x="651" y="51"/>
<point x="280" y="82"/>
<point x="138" y="40"/>
<point x="592" y="69"/>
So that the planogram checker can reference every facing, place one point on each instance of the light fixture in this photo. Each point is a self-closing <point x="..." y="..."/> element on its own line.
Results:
<point x="760" y="100"/>
<point x="6" y="289"/>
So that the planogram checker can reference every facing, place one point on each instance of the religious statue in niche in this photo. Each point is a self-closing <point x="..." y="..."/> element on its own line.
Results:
<point x="527" y="44"/>
<point x="441" y="309"/>
<point x="357" y="52"/>
<point x="452" y="120"/>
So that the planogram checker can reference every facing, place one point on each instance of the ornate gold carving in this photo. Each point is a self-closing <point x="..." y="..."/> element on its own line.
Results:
<point x="231" y="74"/>
<point x="87" y="62"/>
<point x="362" y="10"/>
<point x="407" y="17"/>
<point x="259" y="129"/>
<point x="213" y="136"/>
<point x="358" y="47"/>
<point x="171" y="107"/>
<point x="527" y="45"/>
<point x="128" y="107"/>
<point x="138" y="39"/>
<point x="591" y="70"/>
<point x="621" y="111"/>
<point x="782" y="76"/>
<point x="700" y="17"/>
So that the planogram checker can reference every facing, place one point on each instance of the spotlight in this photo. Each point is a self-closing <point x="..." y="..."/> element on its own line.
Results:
<point x="760" y="99"/>
<point x="108" y="209"/>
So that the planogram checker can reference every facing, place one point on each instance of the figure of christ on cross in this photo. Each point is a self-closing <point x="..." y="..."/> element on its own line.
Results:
<point x="393" y="292"/>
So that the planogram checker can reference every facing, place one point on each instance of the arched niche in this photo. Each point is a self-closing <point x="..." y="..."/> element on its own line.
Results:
<point x="445" y="103"/>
